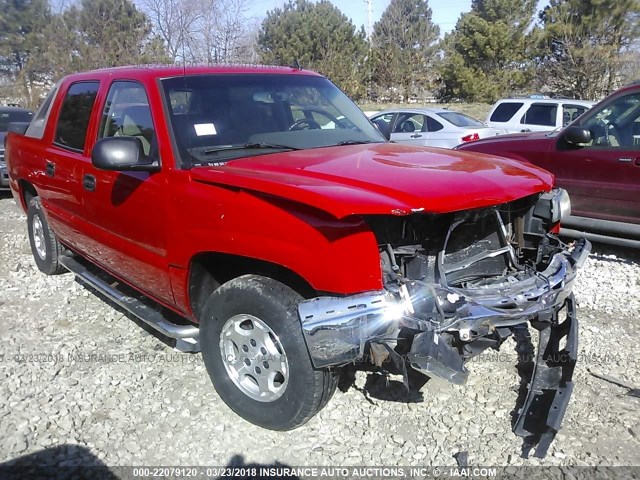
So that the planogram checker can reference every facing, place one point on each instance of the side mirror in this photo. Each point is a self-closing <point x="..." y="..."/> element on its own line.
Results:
<point x="384" y="128"/>
<point x="576" y="135"/>
<point x="122" y="154"/>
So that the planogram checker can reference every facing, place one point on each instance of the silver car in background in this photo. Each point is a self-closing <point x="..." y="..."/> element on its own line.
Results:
<point x="432" y="127"/>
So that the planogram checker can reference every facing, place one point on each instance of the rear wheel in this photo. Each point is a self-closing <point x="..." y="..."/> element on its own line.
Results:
<point x="44" y="245"/>
<point x="255" y="354"/>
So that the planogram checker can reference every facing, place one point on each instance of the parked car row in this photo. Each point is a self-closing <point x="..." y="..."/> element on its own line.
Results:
<point x="596" y="158"/>
<point x="594" y="152"/>
<point x="444" y="128"/>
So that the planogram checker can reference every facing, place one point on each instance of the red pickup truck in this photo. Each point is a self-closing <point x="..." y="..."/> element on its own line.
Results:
<point x="256" y="215"/>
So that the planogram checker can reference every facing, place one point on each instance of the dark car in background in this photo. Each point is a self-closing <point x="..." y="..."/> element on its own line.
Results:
<point x="9" y="115"/>
<point x="596" y="159"/>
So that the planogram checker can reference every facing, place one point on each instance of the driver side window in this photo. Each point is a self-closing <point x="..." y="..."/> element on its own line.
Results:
<point x="409" y="123"/>
<point x="617" y="124"/>
<point x="127" y="113"/>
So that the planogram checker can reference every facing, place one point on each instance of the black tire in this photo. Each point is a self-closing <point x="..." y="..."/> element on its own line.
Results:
<point x="307" y="390"/>
<point x="48" y="260"/>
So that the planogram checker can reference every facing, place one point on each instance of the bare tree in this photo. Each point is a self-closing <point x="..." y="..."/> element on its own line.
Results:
<point x="231" y="30"/>
<point x="173" y="21"/>
<point x="219" y="32"/>
<point x="201" y="31"/>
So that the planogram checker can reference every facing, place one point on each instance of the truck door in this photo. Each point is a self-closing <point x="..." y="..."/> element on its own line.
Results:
<point x="127" y="211"/>
<point x="62" y="162"/>
<point x="603" y="178"/>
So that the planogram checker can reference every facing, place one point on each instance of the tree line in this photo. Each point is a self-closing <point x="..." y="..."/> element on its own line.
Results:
<point x="575" y="48"/>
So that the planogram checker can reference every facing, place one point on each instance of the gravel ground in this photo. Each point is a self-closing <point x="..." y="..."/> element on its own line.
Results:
<point x="78" y="375"/>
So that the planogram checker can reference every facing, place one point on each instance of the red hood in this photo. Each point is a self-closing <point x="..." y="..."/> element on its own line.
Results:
<point x="382" y="178"/>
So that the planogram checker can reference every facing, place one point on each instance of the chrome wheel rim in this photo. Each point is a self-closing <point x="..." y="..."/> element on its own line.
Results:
<point x="39" y="240"/>
<point x="254" y="358"/>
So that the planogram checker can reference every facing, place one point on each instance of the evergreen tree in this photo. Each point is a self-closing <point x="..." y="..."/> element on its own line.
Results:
<point x="319" y="37"/>
<point x="491" y="51"/>
<point x="113" y="32"/>
<point x="405" y="39"/>
<point x="38" y="47"/>
<point x="20" y="24"/>
<point x="584" y="45"/>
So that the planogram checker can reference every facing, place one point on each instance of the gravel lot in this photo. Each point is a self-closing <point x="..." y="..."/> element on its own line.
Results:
<point x="79" y="375"/>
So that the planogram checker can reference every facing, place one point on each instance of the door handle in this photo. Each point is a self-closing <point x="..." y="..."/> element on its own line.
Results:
<point x="416" y="135"/>
<point x="635" y="161"/>
<point x="89" y="183"/>
<point x="49" y="169"/>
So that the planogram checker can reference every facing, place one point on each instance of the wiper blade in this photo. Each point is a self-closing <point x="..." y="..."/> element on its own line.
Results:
<point x="250" y="146"/>
<point x="355" y="142"/>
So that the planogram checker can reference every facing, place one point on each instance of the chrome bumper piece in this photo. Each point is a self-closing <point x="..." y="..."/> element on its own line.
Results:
<point x="4" y="175"/>
<point x="337" y="329"/>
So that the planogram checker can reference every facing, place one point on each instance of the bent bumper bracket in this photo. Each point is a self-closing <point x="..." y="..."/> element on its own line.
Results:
<point x="551" y="384"/>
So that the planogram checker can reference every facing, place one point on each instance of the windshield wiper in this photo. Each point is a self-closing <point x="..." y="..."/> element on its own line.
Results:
<point x="355" y="142"/>
<point x="250" y="146"/>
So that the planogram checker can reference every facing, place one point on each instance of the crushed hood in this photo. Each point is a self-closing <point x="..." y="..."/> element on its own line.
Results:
<point x="381" y="178"/>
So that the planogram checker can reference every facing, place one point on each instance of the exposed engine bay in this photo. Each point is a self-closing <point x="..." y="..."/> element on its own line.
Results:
<point x="456" y="284"/>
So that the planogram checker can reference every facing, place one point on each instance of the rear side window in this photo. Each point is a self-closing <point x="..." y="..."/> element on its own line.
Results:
<point x="75" y="113"/>
<point x="460" y="119"/>
<point x="505" y="111"/>
<point x="433" y="125"/>
<point x="541" y="114"/>
<point x="39" y="121"/>
<point x="571" y="112"/>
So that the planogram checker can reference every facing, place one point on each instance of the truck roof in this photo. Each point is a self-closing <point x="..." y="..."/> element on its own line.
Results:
<point x="174" y="70"/>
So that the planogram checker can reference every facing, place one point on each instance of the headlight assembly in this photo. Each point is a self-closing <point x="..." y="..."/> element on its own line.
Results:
<point x="553" y="206"/>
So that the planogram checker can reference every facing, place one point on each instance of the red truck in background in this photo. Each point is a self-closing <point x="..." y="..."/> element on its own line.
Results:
<point x="596" y="159"/>
<point x="256" y="215"/>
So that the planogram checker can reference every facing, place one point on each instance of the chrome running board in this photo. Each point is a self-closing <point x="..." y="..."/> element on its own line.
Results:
<point x="186" y="336"/>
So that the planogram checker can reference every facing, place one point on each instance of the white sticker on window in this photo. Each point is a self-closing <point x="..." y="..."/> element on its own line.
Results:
<point x="205" y="129"/>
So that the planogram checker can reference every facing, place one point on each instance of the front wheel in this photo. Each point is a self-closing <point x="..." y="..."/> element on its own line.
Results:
<point x="255" y="354"/>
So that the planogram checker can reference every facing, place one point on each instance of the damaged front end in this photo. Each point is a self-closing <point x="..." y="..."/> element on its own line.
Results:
<point x="457" y="284"/>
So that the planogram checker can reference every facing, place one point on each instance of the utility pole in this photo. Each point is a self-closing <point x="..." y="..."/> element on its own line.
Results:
<point x="370" y="40"/>
<point x="370" y="17"/>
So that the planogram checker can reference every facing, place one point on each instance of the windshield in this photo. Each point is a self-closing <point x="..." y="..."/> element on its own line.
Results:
<point x="460" y="119"/>
<point x="6" y="117"/>
<point x="215" y="118"/>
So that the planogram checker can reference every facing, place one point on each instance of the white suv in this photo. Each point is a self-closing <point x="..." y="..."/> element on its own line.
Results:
<point x="535" y="113"/>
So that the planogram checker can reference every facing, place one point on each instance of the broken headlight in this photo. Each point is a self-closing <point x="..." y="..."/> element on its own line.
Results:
<point x="553" y="206"/>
